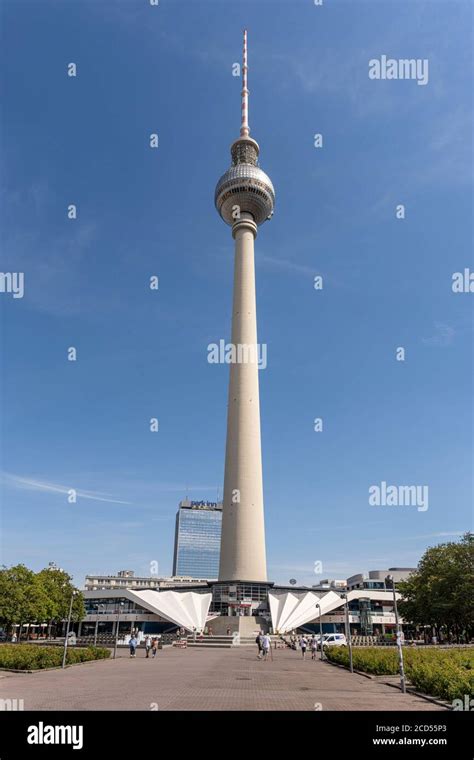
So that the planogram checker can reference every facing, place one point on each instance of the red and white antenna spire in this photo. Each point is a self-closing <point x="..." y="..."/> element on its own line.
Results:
<point x="244" y="126"/>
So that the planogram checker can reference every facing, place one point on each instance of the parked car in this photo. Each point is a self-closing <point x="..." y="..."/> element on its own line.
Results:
<point x="324" y="637"/>
<point x="334" y="640"/>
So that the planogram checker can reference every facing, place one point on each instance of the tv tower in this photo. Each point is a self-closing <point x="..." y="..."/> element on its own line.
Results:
<point x="244" y="198"/>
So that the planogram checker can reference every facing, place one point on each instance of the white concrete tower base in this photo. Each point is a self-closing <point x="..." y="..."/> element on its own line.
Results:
<point x="243" y="534"/>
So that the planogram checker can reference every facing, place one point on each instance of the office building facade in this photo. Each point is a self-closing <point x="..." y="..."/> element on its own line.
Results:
<point x="197" y="539"/>
<point x="126" y="579"/>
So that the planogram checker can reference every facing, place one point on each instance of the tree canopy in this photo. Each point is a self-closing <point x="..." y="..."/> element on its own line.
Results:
<point x="44" y="597"/>
<point x="440" y="591"/>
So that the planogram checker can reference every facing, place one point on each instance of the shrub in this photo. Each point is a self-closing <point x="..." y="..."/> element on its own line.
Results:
<point x="445" y="673"/>
<point x="443" y="679"/>
<point x="38" y="657"/>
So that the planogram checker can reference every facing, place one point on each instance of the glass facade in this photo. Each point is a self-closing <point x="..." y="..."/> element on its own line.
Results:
<point x="227" y="599"/>
<point x="198" y="540"/>
<point x="114" y="605"/>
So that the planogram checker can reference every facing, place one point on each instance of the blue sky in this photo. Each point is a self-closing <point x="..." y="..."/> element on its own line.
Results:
<point x="144" y="212"/>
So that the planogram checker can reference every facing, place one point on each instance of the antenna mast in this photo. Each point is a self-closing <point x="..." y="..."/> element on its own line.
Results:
<point x="244" y="126"/>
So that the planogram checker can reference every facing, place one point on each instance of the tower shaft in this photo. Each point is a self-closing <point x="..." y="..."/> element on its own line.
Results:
<point x="244" y="198"/>
<point x="243" y="534"/>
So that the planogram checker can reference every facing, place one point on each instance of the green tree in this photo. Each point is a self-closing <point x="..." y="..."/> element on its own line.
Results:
<point x="58" y="589"/>
<point x="22" y="597"/>
<point x="28" y="597"/>
<point x="440" y="592"/>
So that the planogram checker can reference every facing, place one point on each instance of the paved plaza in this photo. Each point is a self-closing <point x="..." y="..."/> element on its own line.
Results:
<point x="206" y="679"/>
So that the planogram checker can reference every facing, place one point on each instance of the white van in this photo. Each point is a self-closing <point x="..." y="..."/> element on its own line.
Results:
<point x="334" y="640"/>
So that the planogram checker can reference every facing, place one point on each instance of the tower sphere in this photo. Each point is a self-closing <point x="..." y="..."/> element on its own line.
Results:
<point x="245" y="185"/>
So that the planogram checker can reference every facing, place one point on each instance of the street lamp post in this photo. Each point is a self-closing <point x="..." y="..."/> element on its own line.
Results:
<point x="320" y="632"/>
<point x="348" y="631"/>
<point x="389" y="578"/>
<point x="117" y="630"/>
<point x="67" y="628"/>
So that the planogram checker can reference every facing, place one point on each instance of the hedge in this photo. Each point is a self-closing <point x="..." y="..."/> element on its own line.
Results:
<point x="444" y="673"/>
<point x="34" y="657"/>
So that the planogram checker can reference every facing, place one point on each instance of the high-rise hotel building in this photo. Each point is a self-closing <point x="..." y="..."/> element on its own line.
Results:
<point x="197" y="540"/>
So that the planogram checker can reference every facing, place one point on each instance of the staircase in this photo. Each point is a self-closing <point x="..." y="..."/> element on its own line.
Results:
<point x="223" y="642"/>
<point x="250" y="626"/>
<point x="208" y="642"/>
<point x="224" y="625"/>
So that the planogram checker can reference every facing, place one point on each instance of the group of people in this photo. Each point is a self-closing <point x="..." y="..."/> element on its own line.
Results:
<point x="304" y="643"/>
<point x="151" y="645"/>
<point x="264" y="643"/>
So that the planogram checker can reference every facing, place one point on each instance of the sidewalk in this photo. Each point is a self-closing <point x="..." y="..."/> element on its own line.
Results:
<point x="206" y="679"/>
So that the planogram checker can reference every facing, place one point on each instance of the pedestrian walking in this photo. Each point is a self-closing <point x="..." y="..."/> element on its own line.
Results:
<point x="303" y="645"/>
<point x="266" y="644"/>
<point x="147" y="646"/>
<point x="314" y="646"/>
<point x="258" y="642"/>
<point x="154" y="646"/>
<point x="133" y="646"/>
